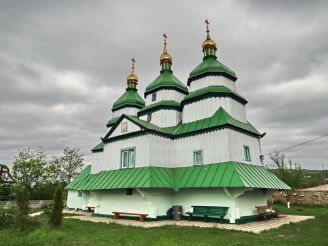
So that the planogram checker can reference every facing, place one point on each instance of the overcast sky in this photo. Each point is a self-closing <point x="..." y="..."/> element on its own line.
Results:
<point x="63" y="63"/>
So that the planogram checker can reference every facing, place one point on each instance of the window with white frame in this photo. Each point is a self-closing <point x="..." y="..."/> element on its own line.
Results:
<point x="153" y="97"/>
<point x="198" y="157"/>
<point x="247" y="153"/>
<point x="128" y="157"/>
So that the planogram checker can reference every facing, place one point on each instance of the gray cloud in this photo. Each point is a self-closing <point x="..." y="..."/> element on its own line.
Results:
<point x="62" y="65"/>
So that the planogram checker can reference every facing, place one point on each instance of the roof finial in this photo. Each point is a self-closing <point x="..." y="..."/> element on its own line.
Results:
<point x="207" y="29"/>
<point x="165" y="43"/>
<point x="165" y="57"/>
<point x="133" y="61"/>
<point x="132" y="77"/>
<point x="209" y="43"/>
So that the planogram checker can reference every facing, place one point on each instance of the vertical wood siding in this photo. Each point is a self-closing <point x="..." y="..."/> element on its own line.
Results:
<point x="109" y="159"/>
<point x="211" y="80"/>
<point x="164" y="117"/>
<point x="236" y="143"/>
<point x="127" y="111"/>
<point x="165" y="95"/>
<point x="207" y="107"/>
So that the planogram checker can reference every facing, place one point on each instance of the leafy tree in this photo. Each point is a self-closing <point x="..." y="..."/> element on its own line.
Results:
<point x="65" y="168"/>
<point x="29" y="168"/>
<point x="291" y="173"/>
<point x="56" y="216"/>
<point x="22" y="198"/>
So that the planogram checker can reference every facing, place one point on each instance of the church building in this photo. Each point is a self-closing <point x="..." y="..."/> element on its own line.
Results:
<point x="187" y="145"/>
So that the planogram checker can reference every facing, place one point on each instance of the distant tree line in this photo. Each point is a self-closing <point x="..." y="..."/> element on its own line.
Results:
<point x="293" y="174"/>
<point x="40" y="176"/>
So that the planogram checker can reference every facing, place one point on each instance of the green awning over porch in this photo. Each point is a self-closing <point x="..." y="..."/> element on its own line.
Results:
<point x="226" y="174"/>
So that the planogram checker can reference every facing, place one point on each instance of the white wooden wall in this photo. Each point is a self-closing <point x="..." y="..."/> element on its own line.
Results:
<point x="165" y="95"/>
<point x="207" y="107"/>
<point x="127" y="111"/>
<point x="237" y="140"/>
<point x="214" y="145"/>
<point x="211" y="80"/>
<point x="160" y="151"/>
<point x="112" y="152"/>
<point x="152" y="150"/>
<point x="164" y="117"/>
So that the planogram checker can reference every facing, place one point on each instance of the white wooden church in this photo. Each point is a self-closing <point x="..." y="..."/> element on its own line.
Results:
<point x="188" y="146"/>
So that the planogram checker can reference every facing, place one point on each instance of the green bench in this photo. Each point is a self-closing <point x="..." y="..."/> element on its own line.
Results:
<point x="208" y="211"/>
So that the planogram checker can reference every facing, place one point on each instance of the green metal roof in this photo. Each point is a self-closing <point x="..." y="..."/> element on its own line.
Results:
<point x="98" y="148"/>
<point x="166" y="80"/>
<point x="164" y="104"/>
<point x="219" y="119"/>
<point x="145" y="177"/>
<point x="112" y="121"/>
<point x="211" y="66"/>
<point x="226" y="174"/>
<point x="129" y="98"/>
<point x="214" y="90"/>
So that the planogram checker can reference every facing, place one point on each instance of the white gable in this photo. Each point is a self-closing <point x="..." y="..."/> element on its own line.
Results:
<point x="125" y="126"/>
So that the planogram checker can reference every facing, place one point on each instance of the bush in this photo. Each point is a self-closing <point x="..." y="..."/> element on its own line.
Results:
<point x="22" y="197"/>
<point x="47" y="208"/>
<point x="7" y="217"/>
<point x="56" y="216"/>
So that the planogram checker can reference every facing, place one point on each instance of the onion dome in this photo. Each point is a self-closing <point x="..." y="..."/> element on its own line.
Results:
<point x="132" y="78"/>
<point x="165" y="57"/>
<point x="210" y="64"/>
<point x="130" y="98"/>
<point x="208" y="43"/>
<point x="166" y="79"/>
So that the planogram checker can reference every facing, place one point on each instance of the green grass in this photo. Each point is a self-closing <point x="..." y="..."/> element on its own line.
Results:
<point x="74" y="232"/>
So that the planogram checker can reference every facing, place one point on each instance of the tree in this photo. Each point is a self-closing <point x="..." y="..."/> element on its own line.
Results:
<point x="66" y="167"/>
<point x="291" y="173"/>
<point x="22" y="197"/>
<point x="29" y="168"/>
<point x="56" y="216"/>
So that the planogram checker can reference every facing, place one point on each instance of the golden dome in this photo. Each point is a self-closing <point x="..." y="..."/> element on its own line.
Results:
<point x="208" y="43"/>
<point x="165" y="57"/>
<point x="132" y="77"/>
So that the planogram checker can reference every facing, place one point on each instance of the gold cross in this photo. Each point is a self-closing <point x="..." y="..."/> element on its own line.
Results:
<point x="207" y="30"/>
<point x="133" y="61"/>
<point x="165" y="37"/>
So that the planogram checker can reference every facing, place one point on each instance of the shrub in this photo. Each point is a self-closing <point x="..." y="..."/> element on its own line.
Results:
<point x="22" y="197"/>
<point x="7" y="217"/>
<point x="56" y="216"/>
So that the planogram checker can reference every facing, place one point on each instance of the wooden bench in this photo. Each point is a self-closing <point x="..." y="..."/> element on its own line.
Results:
<point x="267" y="212"/>
<point x="118" y="214"/>
<point x="208" y="211"/>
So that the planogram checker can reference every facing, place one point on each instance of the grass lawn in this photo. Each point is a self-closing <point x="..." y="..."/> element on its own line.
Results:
<point x="74" y="232"/>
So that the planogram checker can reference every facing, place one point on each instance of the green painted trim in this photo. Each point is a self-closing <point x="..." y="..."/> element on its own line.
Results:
<point x="220" y="119"/>
<point x="225" y="174"/>
<point x="247" y="219"/>
<point x="98" y="148"/>
<point x="201" y="157"/>
<point x="165" y="88"/>
<point x="163" y="104"/>
<point x="130" y="98"/>
<point x="128" y="157"/>
<point x="166" y="80"/>
<point x="211" y="66"/>
<point x="247" y="158"/>
<point x="212" y="91"/>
